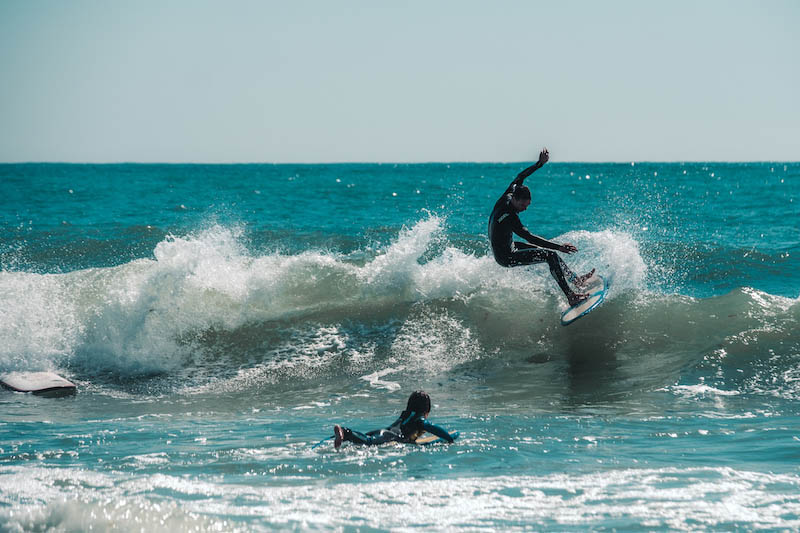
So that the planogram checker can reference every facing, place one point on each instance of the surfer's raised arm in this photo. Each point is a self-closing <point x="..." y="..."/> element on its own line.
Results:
<point x="544" y="157"/>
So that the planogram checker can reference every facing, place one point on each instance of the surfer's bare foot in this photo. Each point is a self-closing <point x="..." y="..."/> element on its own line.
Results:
<point x="580" y="281"/>
<point x="338" y="436"/>
<point x="576" y="298"/>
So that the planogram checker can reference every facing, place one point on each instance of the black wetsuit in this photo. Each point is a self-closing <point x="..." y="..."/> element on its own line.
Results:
<point x="503" y="223"/>
<point x="406" y="428"/>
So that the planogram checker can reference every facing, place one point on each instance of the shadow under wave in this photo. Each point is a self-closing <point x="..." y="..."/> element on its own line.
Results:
<point x="638" y="343"/>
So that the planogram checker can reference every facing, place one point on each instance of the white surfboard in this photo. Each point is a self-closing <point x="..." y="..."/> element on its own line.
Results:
<point x="37" y="383"/>
<point x="597" y="293"/>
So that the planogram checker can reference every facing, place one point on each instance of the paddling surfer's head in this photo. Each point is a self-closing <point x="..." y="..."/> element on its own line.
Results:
<point x="419" y="402"/>
<point x="521" y="198"/>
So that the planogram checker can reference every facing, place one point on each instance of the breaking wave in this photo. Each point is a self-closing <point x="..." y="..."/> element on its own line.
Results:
<point x="205" y="304"/>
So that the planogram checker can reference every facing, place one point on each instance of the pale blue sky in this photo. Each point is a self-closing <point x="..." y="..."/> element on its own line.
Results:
<point x="326" y="81"/>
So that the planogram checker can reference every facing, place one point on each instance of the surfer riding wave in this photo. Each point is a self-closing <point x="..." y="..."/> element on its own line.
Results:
<point x="504" y="222"/>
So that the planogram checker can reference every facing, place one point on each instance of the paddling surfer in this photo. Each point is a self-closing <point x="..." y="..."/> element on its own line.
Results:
<point x="410" y="425"/>
<point x="504" y="222"/>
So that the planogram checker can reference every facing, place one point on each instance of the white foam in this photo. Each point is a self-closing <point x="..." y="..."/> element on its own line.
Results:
<point x="702" y="390"/>
<point x="615" y="255"/>
<point x="38" y="322"/>
<point x="435" y="341"/>
<point x="665" y="498"/>
<point x="376" y="379"/>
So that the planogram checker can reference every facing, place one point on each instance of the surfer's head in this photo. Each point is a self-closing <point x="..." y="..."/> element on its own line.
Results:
<point x="521" y="198"/>
<point x="419" y="402"/>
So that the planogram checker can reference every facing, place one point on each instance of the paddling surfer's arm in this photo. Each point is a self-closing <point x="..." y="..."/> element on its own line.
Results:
<point x="436" y="430"/>
<point x="544" y="157"/>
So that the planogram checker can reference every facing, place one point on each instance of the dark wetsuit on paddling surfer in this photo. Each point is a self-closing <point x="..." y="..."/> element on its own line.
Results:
<point x="504" y="222"/>
<point x="411" y="424"/>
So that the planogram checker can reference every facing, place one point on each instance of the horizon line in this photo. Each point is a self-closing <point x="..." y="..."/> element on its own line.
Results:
<point x="298" y="163"/>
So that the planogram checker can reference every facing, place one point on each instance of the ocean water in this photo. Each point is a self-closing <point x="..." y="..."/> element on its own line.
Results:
<point x="219" y="319"/>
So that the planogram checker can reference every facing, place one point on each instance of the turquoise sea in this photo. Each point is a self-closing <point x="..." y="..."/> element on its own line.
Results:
<point x="219" y="319"/>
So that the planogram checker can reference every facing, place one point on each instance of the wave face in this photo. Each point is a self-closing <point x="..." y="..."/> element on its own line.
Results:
<point x="206" y="306"/>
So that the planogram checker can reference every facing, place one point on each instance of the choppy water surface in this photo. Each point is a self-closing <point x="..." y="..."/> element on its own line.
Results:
<point x="220" y="319"/>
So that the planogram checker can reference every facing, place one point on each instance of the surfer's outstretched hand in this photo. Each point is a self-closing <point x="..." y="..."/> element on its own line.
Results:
<point x="568" y="248"/>
<point x="544" y="156"/>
